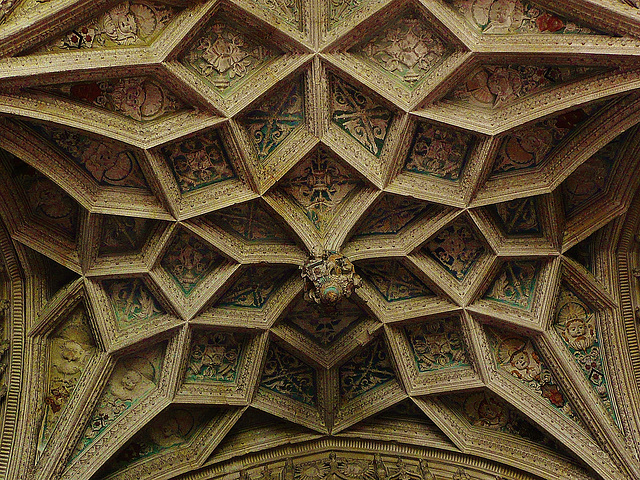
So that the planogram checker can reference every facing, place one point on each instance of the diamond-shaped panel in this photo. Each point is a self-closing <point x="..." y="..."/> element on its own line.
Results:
<point x="319" y="185"/>
<point x="456" y="248"/>
<point x="515" y="284"/>
<point x="71" y="346"/>
<point x="271" y="121"/>
<point x="518" y="217"/>
<point x="390" y="214"/>
<point x="590" y="179"/>
<point x="575" y="322"/>
<point x="366" y="370"/>
<point x="289" y="376"/>
<point x="406" y="47"/>
<point x="393" y="280"/>
<point x="359" y="114"/>
<point x="322" y="326"/>
<point x="188" y="260"/>
<point x="130" y="23"/>
<point x="132" y="302"/>
<point x="439" y="151"/>
<point x="139" y="98"/>
<point x="199" y="161"/>
<point x="251" y="222"/>
<point x="254" y="287"/>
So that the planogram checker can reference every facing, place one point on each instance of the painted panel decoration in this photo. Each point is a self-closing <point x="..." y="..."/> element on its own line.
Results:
<point x="438" y="151"/>
<point x="517" y="356"/>
<point x="575" y="322"/>
<point x="390" y="214"/>
<point x="132" y="302"/>
<point x="288" y="10"/>
<point x="131" y="23"/>
<point x="406" y="47"/>
<point x="139" y="98"/>
<point x="188" y="260"/>
<point x="368" y="369"/>
<point x="529" y="146"/>
<point x="122" y="235"/>
<point x="271" y="121"/>
<point x="71" y="346"/>
<point x="393" y="280"/>
<point x="456" y="248"/>
<point x="214" y="356"/>
<point x="251" y="222"/>
<point x="321" y="325"/>
<point x="225" y="54"/>
<point x="173" y="428"/>
<point x="437" y="344"/>
<point x="589" y="181"/>
<point x="504" y="17"/>
<point x="340" y="10"/>
<point x="486" y="410"/>
<point x="255" y="286"/>
<point x="515" y="284"/>
<point x="518" y="217"/>
<point x="289" y="376"/>
<point x="496" y="86"/>
<point x="359" y="114"/>
<point x="199" y="161"/>
<point x="47" y="201"/>
<point x="319" y="185"/>
<point x="133" y="379"/>
<point x="110" y="163"/>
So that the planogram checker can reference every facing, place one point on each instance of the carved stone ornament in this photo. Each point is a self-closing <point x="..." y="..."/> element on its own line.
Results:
<point x="329" y="279"/>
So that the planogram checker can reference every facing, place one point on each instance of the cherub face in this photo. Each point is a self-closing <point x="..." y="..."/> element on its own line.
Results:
<point x="130" y="380"/>
<point x="71" y="351"/>
<point x="520" y="360"/>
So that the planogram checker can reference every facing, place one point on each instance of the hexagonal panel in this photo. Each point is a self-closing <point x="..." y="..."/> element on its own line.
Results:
<point x="406" y="47"/>
<point x="143" y="98"/>
<point x="108" y="162"/>
<point x="199" y="161"/>
<point x="132" y="23"/>
<point x="528" y="147"/>
<point x="494" y="17"/>
<point x="496" y="86"/>
<point x="226" y="54"/>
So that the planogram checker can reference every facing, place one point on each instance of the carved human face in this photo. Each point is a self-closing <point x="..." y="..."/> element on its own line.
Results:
<point x="71" y="351"/>
<point x="576" y="328"/>
<point x="501" y="11"/>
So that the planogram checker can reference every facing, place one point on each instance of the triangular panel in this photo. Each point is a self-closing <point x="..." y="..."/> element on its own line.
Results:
<point x="251" y="222"/>
<point x="393" y="281"/>
<point x="390" y="214"/>
<point x="254" y="287"/>
<point x="132" y="302"/>
<point x="515" y="284"/>
<point x="368" y="369"/>
<point x="287" y="375"/>
<point x="123" y="235"/>
<point x="518" y="217"/>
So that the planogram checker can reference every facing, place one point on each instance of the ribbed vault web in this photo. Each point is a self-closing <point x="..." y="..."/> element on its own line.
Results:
<point x="166" y="168"/>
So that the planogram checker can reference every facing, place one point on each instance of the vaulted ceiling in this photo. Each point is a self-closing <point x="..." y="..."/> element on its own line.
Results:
<point x="167" y="167"/>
